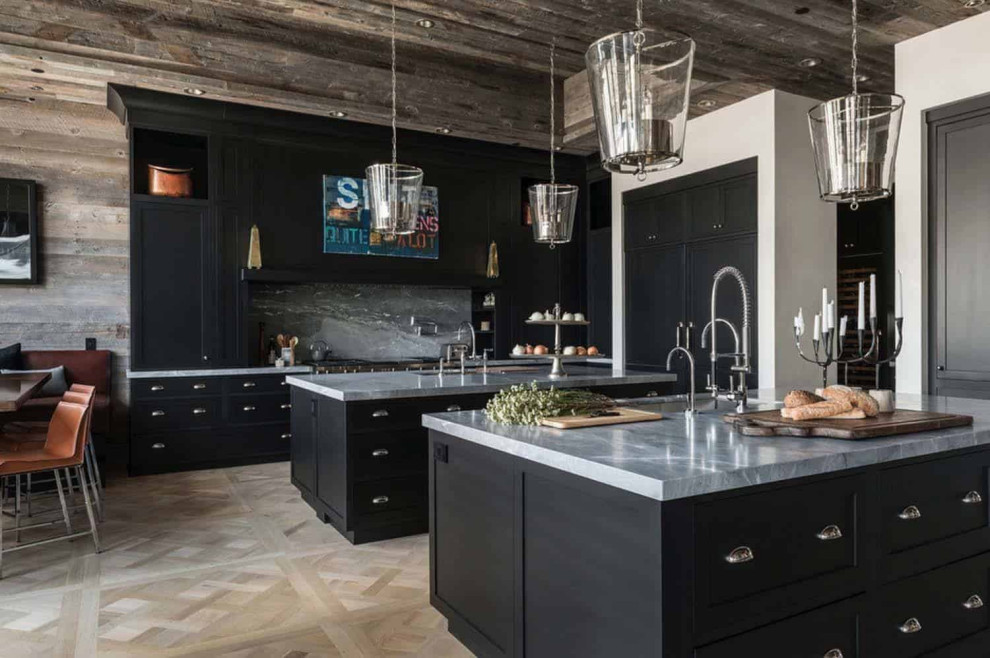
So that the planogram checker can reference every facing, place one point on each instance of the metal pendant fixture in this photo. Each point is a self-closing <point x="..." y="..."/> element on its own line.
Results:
<point x="855" y="140"/>
<point x="640" y="93"/>
<point x="552" y="205"/>
<point x="394" y="189"/>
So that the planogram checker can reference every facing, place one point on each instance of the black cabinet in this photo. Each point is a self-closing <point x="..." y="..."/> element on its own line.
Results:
<point x="654" y="221"/>
<point x="303" y="439"/>
<point x="723" y="208"/>
<point x="655" y="294"/>
<point x="174" y="289"/>
<point x="600" y="289"/>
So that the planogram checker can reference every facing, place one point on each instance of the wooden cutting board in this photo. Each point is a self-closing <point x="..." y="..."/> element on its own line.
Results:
<point x="900" y="421"/>
<point x="626" y="415"/>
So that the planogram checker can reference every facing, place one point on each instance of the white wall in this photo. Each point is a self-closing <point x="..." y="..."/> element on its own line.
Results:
<point x="932" y="70"/>
<point x="791" y="271"/>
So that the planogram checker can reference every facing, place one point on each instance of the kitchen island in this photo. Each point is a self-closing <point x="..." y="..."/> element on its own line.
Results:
<point x="683" y="538"/>
<point x="359" y="449"/>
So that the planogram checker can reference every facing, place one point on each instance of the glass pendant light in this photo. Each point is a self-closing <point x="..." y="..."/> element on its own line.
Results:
<point x="640" y="93"/>
<point x="552" y="205"/>
<point x="393" y="189"/>
<point x="855" y="140"/>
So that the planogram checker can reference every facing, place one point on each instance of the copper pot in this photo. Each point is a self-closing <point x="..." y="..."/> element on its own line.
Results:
<point x="170" y="181"/>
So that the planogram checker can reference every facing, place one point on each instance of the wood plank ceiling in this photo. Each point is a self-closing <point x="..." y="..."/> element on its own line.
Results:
<point x="479" y="71"/>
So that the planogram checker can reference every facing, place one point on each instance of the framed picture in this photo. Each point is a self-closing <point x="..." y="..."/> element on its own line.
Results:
<point x="18" y="231"/>
<point x="347" y="223"/>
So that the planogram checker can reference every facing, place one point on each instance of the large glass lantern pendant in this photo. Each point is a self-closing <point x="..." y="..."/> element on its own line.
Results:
<point x="552" y="205"/>
<point x="393" y="189"/>
<point x="640" y="92"/>
<point x="855" y="140"/>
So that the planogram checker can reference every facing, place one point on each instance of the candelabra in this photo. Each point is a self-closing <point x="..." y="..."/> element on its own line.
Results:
<point x="874" y="358"/>
<point x="824" y="349"/>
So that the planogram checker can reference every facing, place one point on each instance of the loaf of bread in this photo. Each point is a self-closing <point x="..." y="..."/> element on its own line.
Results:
<point x="824" y="409"/>
<point x="859" y="399"/>
<point x="800" y="398"/>
<point x="853" y="414"/>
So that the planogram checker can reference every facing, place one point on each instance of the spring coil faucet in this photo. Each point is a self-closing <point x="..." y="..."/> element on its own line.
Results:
<point x="742" y="365"/>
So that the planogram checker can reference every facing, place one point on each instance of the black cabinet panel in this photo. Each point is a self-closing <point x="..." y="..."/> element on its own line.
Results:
<point x="705" y="211"/>
<point x="655" y="293"/>
<point x="740" y="207"/>
<point x="600" y="289"/>
<point x="303" y="437"/>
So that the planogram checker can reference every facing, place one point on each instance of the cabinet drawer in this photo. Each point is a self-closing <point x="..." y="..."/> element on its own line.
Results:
<point x="386" y="495"/>
<point x="156" y="389"/>
<point x="255" y="442"/>
<point x="390" y="454"/>
<point x="256" y="384"/>
<point x="915" y="615"/>
<point x="407" y="413"/>
<point x="765" y="541"/>
<point x="160" y="452"/>
<point x="830" y="632"/>
<point x="247" y="409"/>
<point x="924" y="503"/>
<point x="149" y="416"/>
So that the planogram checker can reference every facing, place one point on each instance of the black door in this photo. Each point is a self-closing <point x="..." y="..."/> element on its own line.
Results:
<point x="960" y="238"/>
<point x="600" y="289"/>
<point x="303" y="440"/>
<point x="655" y="289"/>
<point x="173" y="305"/>
<point x="704" y="259"/>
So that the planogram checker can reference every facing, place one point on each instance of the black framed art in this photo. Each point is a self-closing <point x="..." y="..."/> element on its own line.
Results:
<point x="18" y="231"/>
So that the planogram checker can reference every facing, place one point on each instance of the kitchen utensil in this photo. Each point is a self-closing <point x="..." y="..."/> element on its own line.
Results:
<point x="615" y="416"/>
<point x="319" y="350"/>
<point x="170" y="181"/>
<point x="901" y="421"/>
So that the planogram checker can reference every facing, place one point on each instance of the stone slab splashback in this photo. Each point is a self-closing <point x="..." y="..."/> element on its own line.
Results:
<point x="359" y="321"/>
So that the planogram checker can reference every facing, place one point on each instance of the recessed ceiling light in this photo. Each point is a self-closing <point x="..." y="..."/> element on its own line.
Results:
<point x="194" y="91"/>
<point x="425" y="23"/>
<point x="31" y="99"/>
<point x="707" y="104"/>
<point x="337" y="114"/>
<point x="809" y="62"/>
<point x="800" y="11"/>
<point x="37" y="88"/>
<point x="558" y="148"/>
<point x="973" y="4"/>
<point x="37" y="70"/>
<point x="443" y="130"/>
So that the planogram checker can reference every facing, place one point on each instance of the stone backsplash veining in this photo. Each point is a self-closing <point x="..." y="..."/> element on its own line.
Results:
<point x="359" y="321"/>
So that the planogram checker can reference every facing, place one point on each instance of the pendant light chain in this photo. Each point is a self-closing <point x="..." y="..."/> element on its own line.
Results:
<point x="394" y="152"/>
<point x="855" y="44"/>
<point x="553" y="116"/>
<point x="639" y="14"/>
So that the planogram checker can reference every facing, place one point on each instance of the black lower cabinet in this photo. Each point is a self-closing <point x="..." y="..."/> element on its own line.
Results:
<point x="530" y="561"/>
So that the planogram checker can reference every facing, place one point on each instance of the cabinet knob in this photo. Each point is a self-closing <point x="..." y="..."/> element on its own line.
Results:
<point x="379" y="452"/>
<point x="199" y="387"/>
<point x="911" y="626"/>
<point x="910" y="513"/>
<point x="740" y="555"/>
<point x="157" y="446"/>
<point x="157" y="387"/>
<point x="287" y="435"/>
<point x="972" y="498"/>
<point x="454" y="407"/>
<point x="157" y="412"/>
<point x="379" y="500"/>
<point x="652" y="394"/>
<point x="940" y="368"/>
<point x="287" y="405"/>
<point x="380" y="413"/>
<point x="283" y="383"/>
<point x="249" y="407"/>
<point x="830" y="533"/>
<point x="973" y="603"/>
<point x="206" y="358"/>
<point x="248" y="385"/>
<point x="199" y="411"/>
<point x="833" y="653"/>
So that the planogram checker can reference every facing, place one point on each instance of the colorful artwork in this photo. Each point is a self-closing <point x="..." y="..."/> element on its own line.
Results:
<point x="347" y="221"/>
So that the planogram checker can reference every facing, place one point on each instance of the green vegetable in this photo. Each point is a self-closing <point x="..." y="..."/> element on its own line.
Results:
<point x="524" y="404"/>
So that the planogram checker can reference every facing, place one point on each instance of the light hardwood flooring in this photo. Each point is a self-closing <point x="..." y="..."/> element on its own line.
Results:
<point x="217" y="563"/>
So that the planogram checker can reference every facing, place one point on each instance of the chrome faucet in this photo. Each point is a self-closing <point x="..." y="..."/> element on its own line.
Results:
<point x="742" y="366"/>
<point x="474" y="338"/>
<point x="685" y="349"/>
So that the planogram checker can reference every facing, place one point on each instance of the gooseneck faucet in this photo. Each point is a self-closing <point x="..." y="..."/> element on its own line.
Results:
<point x="685" y="349"/>
<point x="742" y="366"/>
<point x="474" y="338"/>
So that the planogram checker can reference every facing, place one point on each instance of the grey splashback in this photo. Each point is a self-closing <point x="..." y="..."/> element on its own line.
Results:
<point x="359" y="321"/>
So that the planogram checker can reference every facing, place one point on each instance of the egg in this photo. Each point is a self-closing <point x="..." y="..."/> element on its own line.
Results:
<point x="579" y="317"/>
<point x="567" y="317"/>
<point x="540" y="349"/>
<point x="581" y="351"/>
<point x="529" y="348"/>
<point x="592" y="351"/>
<point x="537" y="316"/>
<point x="570" y="350"/>
<point x="518" y="350"/>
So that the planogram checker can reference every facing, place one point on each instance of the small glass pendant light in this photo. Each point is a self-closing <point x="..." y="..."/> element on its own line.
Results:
<point x="552" y="205"/>
<point x="394" y="189"/>
<point x="640" y="92"/>
<point x="855" y="140"/>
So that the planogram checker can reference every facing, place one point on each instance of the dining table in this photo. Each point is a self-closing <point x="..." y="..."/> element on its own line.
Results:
<point x="18" y="388"/>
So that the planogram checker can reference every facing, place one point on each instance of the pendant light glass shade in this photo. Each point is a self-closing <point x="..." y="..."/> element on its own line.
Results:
<point x="393" y="197"/>
<point x="553" y="206"/>
<point x="855" y="143"/>
<point x="640" y="92"/>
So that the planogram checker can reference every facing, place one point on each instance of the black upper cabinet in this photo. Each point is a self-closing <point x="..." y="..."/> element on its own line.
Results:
<point x="174" y="292"/>
<point x="859" y="234"/>
<point x="655" y="221"/>
<point x="723" y="208"/>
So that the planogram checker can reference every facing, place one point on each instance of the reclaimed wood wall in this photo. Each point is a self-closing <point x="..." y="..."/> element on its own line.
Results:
<point x="77" y="153"/>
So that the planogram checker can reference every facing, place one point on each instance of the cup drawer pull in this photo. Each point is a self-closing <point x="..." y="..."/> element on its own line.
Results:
<point x="157" y="446"/>
<point x="833" y="653"/>
<point x="157" y="387"/>
<point x="740" y="555"/>
<point x="249" y="407"/>
<point x="379" y="500"/>
<point x="911" y="626"/>
<point x="830" y="533"/>
<point x="454" y="407"/>
<point x="380" y="413"/>
<point x="380" y="452"/>
<point x="287" y="405"/>
<point x="157" y="412"/>
<point x="972" y="498"/>
<point x="199" y="387"/>
<point x="973" y="603"/>
<point x="287" y="435"/>
<point x="248" y="385"/>
<point x="910" y="513"/>
<point x="199" y="411"/>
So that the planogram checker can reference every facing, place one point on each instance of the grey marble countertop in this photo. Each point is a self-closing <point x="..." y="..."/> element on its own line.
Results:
<point x="385" y="385"/>
<point x="680" y="457"/>
<point x="218" y="372"/>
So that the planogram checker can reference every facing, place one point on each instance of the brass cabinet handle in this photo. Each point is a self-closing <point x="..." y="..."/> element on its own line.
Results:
<point x="248" y="385"/>
<point x="381" y="413"/>
<point x="972" y="498"/>
<point x="199" y="411"/>
<point x="740" y="555"/>
<point x="911" y="626"/>
<point x="287" y="405"/>
<point x="380" y="452"/>
<point x="833" y="653"/>
<point x="287" y="435"/>
<point x="157" y="412"/>
<point x="249" y="407"/>
<point x="199" y="387"/>
<point x="157" y="387"/>
<point x="830" y="533"/>
<point x="157" y="446"/>
<point x="973" y="603"/>
<point x="454" y="407"/>
<point x="910" y="513"/>
<point x="379" y="500"/>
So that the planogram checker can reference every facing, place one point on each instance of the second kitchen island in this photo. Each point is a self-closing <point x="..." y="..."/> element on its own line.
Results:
<point x="359" y="449"/>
